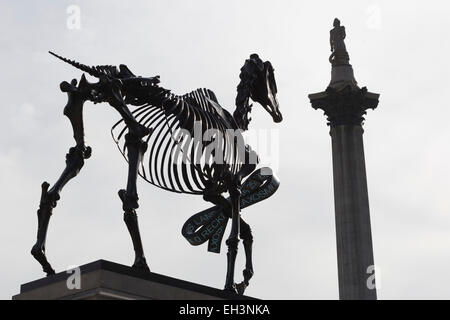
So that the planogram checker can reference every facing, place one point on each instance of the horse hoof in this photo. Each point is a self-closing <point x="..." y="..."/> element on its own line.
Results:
<point x="49" y="271"/>
<point x="231" y="289"/>
<point x="240" y="288"/>
<point x="39" y="255"/>
<point x="141" y="265"/>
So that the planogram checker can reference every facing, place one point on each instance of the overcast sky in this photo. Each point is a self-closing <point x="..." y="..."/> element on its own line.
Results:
<point x="399" y="49"/>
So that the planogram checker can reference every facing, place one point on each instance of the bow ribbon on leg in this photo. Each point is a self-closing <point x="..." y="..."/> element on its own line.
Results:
<point x="209" y="225"/>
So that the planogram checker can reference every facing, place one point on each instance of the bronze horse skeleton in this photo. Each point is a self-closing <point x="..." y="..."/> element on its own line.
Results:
<point x="153" y="126"/>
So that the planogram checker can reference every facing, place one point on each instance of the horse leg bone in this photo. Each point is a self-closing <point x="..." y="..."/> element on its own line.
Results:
<point x="47" y="203"/>
<point x="136" y="149"/>
<point x="246" y="235"/>
<point x="74" y="162"/>
<point x="233" y="240"/>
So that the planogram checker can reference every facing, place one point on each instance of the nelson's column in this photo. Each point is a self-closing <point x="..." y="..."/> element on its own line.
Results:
<point x="345" y="104"/>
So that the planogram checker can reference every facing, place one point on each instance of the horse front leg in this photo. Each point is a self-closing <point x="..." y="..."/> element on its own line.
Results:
<point x="246" y="235"/>
<point x="251" y="160"/>
<point x="74" y="162"/>
<point x="136" y="149"/>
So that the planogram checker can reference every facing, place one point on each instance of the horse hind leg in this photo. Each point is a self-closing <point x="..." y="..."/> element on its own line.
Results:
<point x="47" y="203"/>
<point x="74" y="162"/>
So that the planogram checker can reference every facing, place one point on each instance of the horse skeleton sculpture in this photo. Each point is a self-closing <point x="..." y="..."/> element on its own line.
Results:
<point x="154" y="125"/>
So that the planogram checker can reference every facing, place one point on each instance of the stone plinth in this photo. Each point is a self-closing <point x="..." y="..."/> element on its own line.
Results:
<point x="105" y="280"/>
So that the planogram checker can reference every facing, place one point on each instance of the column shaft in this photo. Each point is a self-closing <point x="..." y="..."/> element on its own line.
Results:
<point x="353" y="232"/>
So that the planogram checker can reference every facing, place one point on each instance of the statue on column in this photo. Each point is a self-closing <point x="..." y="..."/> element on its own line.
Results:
<point x="342" y="71"/>
<point x="339" y="54"/>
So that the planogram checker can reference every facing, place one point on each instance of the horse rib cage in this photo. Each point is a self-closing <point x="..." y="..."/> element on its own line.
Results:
<point x="175" y="161"/>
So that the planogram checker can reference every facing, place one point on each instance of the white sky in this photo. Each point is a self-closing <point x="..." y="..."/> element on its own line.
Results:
<point x="397" y="48"/>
